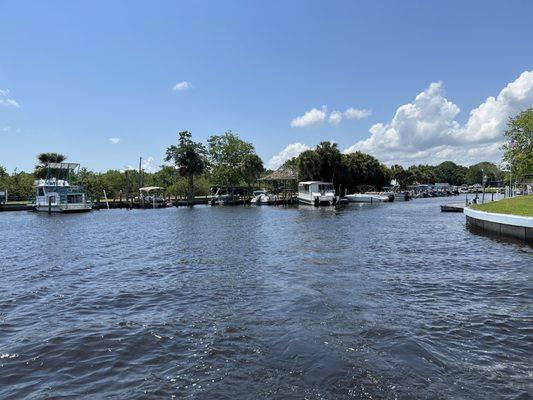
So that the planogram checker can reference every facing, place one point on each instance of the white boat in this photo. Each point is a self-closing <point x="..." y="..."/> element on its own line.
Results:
<point x="228" y="195"/>
<point x="57" y="195"/>
<point x="152" y="197"/>
<point x="386" y="196"/>
<point x="399" y="195"/>
<point x="316" y="193"/>
<point x="262" y="197"/>
<point x="366" y="198"/>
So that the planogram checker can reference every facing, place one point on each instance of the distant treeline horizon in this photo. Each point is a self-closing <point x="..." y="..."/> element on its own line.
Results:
<point x="350" y="170"/>
<point x="229" y="160"/>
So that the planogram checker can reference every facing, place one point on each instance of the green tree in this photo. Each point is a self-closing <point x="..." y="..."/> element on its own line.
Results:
<point x="403" y="177"/>
<point x="360" y="169"/>
<point x="19" y="185"/>
<point x="518" y="152"/>
<point x="166" y="176"/>
<point x="252" y="167"/>
<point x="450" y="172"/>
<point x="475" y="173"/>
<point x="44" y="158"/>
<point x="226" y="154"/>
<point x="330" y="161"/>
<point x="423" y="174"/>
<point x="189" y="157"/>
<point x="308" y="165"/>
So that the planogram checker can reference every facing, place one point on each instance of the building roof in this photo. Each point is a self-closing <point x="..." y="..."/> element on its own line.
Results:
<point x="283" y="173"/>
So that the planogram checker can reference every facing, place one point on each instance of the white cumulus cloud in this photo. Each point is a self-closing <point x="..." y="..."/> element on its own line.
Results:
<point x="184" y="85"/>
<point x="6" y="100"/>
<point x="114" y="140"/>
<point x="357" y="113"/>
<point x="425" y="130"/>
<point x="311" y="117"/>
<point x="335" y="118"/>
<point x="292" y="150"/>
<point x="316" y="116"/>
<point x="148" y="165"/>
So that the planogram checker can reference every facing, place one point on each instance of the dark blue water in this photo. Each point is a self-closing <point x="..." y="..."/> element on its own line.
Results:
<point x="394" y="301"/>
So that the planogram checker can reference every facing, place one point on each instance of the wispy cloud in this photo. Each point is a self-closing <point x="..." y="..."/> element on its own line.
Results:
<point x="317" y="116"/>
<point x="292" y="150"/>
<point x="311" y="117"/>
<point x="181" y="86"/>
<point x="6" y="100"/>
<point x="114" y="140"/>
<point x="335" y="118"/>
<point x="357" y="113"/>
<point x="148" y="165"/>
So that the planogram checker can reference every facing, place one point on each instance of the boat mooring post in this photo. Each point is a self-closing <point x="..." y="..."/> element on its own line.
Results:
<point x="49" y="205"/>
<point x="106" y="202"/>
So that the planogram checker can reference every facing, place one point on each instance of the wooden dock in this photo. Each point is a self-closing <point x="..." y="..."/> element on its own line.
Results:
<point x="458" y="207"/>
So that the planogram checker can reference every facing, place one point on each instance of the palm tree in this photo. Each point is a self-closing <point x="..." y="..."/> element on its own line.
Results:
<point x="45" y="158"/>
<point x="330" y="161"/>
<point x="308" y="165"/>
<point x="189" y="157"/>
<point x="252" y="167"/>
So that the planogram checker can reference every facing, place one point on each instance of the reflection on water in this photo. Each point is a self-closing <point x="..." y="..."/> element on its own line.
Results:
<point x="370" y="301"/>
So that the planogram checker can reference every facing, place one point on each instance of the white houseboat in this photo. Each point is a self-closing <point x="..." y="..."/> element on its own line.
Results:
<point x="55" y="194"/>
<point x="316" y="193"/>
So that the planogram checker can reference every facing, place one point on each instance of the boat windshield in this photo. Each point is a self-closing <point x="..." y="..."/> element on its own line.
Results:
<point x="325" y="187"/>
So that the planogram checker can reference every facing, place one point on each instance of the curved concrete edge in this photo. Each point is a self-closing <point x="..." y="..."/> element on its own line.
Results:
<point x="507" y="219"/>
<point x="511" y="226"/>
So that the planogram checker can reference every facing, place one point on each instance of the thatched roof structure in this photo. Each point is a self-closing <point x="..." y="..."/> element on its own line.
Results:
<point x="283" y="173"/>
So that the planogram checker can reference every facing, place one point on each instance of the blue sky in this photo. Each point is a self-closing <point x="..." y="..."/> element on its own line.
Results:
<point x="75" y="74"/>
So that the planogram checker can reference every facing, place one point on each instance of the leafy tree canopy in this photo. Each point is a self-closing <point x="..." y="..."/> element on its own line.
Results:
<point x="518" y="152"/>
<point x="226" y="154"/>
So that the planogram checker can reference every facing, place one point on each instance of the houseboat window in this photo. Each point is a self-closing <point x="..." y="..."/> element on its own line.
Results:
<point x="74" y="198"/>
<point x="40" y="192"/>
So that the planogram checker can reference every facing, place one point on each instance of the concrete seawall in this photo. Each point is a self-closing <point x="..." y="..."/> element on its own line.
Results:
<point x="502" y="225"/>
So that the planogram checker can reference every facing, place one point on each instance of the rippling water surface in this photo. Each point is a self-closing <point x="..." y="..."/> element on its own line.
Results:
<point x="389" y="301"/>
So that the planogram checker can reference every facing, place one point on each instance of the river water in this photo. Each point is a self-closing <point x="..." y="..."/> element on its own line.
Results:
<point x="393" y="301"/>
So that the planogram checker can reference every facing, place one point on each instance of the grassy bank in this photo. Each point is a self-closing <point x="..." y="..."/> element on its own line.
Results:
<point x="520" y="205"/>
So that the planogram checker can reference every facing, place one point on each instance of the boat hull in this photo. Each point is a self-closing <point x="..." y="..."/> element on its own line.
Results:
<point x="322" y="201"/>
<point x="366" y="198"/>
<point x="64" y="208"/>
<point x="263" y="200"/>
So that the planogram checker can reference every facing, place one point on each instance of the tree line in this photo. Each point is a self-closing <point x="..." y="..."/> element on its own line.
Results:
<point x="229" y="160"/>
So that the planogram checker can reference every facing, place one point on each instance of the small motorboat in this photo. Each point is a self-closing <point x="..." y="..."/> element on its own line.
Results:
<point x="262" y="197"/>
<point x="366" y="198"/>
<point x="152" y="197"/>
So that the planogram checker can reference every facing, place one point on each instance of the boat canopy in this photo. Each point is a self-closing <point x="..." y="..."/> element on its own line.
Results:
<point x="315" y="182"/>
<point x="150" y="188"/>
<point x="66" y="166"/>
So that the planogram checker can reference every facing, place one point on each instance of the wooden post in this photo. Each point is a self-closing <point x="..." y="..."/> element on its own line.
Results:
<point x="106" y="201"/>
<point x="49" y="205"/>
